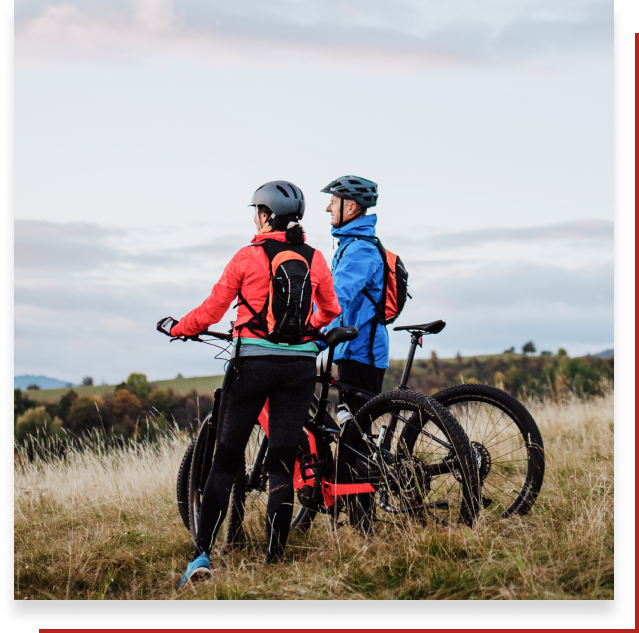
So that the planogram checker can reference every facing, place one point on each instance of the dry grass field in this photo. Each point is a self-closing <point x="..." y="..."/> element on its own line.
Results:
<point x="104" y="524"/>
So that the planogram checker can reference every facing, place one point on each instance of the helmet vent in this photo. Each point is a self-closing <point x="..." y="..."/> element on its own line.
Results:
<point x="293" y="190"/>
<point x="283" y="191"/>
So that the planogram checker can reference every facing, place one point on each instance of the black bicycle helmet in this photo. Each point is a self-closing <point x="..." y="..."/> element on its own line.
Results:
<point x="281" y="197"/>
<point x="363" y="191"/>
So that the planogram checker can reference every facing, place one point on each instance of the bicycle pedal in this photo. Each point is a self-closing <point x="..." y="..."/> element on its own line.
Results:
<point x="438" y="505"/>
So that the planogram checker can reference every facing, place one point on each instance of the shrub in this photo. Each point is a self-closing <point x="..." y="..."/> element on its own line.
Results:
<point x="65" y="403"/>
<point x="126" y="412"/>
<point x="37" y="422"/>
<point x="86" y="413"/>
<point x="138" y="385"/>
<point x="162" y="400"/>
<point x="21" y="403"/>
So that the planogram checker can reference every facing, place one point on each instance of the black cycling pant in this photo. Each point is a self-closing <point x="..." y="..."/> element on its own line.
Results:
<point x="289" y="383"/>
<point x="352" y="372"/>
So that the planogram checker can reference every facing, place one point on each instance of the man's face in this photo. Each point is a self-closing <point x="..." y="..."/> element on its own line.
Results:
<point x="350" y="209"/>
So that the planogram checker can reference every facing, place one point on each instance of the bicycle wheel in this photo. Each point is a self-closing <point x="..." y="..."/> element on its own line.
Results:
<point x="509" y="445"/>
<point x="241" y="495"/>
<point x="200" y="468"/>
<point x="182" y="486"/>
<point x="415" y="455"/>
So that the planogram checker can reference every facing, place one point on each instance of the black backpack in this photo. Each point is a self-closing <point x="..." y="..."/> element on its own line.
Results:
<point x="285" y="316"/>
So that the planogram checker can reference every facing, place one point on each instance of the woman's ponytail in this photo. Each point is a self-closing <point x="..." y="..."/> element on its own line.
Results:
<point x="290" y="224"/>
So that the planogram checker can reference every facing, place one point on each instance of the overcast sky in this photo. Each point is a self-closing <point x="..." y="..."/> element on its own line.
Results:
<point x="143" y="127"/>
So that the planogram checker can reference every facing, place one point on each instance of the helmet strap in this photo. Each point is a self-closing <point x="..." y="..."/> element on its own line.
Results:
<point x="341" y="214"/>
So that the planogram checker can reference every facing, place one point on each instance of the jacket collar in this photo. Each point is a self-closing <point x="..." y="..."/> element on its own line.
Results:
<point x="362" y="226"/>
<point x="280" y="236"/>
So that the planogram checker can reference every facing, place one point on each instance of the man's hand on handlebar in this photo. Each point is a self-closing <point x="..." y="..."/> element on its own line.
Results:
<point x="166" y="324"/>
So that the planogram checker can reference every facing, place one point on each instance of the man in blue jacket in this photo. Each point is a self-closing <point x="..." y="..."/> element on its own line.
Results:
<point x="357" y="270"/>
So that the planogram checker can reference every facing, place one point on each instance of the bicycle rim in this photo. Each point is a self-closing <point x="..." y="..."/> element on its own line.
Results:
<point x="510" y="452"/>
<point x="424" y="440"/>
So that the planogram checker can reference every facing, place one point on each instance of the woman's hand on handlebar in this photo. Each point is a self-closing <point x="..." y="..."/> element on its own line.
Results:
<point x="166" y="324"/>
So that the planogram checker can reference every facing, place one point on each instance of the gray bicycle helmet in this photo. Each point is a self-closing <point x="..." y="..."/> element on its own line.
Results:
<point x="281" y="197"/>
<point x="355" y="188"/>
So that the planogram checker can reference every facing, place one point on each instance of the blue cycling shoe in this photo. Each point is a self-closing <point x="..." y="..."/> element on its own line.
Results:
<point x="201" y="565"/>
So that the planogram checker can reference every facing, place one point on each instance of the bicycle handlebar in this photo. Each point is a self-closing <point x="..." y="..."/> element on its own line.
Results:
<point x="196" y="337"/>
<point x="225" y="337"/>
<point x="339" y="334"/>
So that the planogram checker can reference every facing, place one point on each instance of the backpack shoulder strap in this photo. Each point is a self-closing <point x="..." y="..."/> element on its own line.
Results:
<point x="273" y="247"/>
<point x="365" y="238"/>
<point x="378" y="305"/>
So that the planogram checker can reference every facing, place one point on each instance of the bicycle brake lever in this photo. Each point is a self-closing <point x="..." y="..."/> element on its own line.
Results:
<point x="195" y="337"/>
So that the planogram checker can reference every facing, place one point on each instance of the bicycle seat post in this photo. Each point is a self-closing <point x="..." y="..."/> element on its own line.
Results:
<point x="415" y="340"/>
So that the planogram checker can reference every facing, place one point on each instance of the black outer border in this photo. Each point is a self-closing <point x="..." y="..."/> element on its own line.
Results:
<point x="251" y="613"/>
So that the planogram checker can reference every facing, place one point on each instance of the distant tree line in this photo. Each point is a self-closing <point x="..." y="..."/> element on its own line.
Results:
<point x="134" y="410"/>
<point x="544" y="375"/>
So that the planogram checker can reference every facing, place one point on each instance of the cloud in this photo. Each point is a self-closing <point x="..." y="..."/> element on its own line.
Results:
<point x="87" y="297"/>
<point x="569" y="231"/>
<point x="519" y="285"/>
<point x="44" y="247"/>
<point x="369" y="34"/>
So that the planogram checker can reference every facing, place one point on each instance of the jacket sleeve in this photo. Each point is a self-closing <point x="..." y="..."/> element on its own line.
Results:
<point x="325" y="298"/>
<point x="218" y="302"/>
<point x="354" y="270"/>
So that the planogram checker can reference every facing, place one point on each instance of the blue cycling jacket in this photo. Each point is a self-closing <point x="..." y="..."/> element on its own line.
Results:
<point x="356" y="265"/>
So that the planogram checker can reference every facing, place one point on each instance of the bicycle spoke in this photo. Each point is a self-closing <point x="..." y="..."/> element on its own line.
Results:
<point x="485" y="441"/>
<point x="505" y="478"/>
<point x="500" y="432"/>
<point x="474" y="422"/>
<point x="508" y="438"/>
<point x="488" y="483"/>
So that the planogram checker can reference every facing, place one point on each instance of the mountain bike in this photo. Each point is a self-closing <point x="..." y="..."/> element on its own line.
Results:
<point x="428" y="470"/>
<point x="507" y="444"/>
<point x="506" y="440"/>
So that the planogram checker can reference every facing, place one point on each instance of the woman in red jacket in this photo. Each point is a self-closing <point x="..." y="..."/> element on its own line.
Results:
<point x="264" y="365"/>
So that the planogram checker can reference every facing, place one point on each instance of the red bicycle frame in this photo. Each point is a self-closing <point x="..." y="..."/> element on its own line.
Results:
<point x="331" y="491"/>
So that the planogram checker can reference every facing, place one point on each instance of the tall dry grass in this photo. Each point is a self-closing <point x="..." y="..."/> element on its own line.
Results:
<point x="103" y="523"/>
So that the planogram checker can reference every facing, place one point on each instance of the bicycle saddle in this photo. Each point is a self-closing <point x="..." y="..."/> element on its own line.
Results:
<point x="426" y="328"/>
<point x="340" y="334"/>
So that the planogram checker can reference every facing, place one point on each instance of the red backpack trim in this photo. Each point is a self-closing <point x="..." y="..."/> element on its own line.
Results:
<point x="394" y="289"/>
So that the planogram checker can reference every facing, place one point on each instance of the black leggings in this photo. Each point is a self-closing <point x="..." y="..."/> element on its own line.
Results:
<point x="288" y="382"/>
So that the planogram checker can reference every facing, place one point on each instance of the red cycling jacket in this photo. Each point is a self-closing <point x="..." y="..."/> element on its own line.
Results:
<point x="248" y="271"/>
